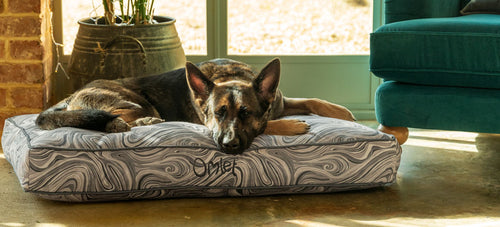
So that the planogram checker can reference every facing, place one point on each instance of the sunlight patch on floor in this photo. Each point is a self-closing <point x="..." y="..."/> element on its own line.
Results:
<point x="49" y="225"/>
<point x="445" y="135"/>
<point x="468" y="221"/>
<point x="14" y="224"/>
<point x="2" y="156"/>
<point x="400" y="222"/>
<point x="449" y="140"/>
<point x="306" y="223"/>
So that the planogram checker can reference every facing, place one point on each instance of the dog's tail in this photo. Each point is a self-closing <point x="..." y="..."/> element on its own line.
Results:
<point x="57" y="116"/>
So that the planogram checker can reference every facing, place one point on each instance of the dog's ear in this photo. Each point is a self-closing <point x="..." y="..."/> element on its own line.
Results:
<point x="198" y="82"/>
<point x="267" y="82"/>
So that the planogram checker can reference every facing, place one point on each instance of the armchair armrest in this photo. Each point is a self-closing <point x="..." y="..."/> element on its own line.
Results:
<point x="398" y="10"/>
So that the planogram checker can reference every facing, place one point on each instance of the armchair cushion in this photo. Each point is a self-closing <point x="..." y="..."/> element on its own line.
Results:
<point x="399" y="10"/>
<point x="435" y="107"/>
<point x="482" y="6"/>
<point x="453" y="51"/>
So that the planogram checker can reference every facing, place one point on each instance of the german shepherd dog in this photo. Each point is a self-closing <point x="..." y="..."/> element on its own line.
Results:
<point x="235" y="103"/>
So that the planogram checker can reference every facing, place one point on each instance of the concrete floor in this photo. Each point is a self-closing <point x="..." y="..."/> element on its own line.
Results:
<point x="445" y="178"/>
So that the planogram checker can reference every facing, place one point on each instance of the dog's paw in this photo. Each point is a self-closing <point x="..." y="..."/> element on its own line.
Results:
<point x="117" y="125"/>
<point x="299" y="127"/>
<point x="287" y="127"/>
<point x="147" y="121"/>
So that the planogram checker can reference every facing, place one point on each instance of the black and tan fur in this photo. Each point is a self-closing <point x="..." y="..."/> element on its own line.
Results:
<point x="225" y="95"/>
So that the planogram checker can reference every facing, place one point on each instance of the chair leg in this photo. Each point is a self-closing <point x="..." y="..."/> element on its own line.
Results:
<point x="401" y="133"/>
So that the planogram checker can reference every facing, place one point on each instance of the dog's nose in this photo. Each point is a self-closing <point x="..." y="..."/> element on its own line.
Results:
<point x="231" y="142"/>
<point x="231" y="145"/>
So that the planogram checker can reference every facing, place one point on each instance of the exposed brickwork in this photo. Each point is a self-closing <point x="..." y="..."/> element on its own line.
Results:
<point x="2" y="48"/>
<point x="26" y="49"/>
<point x="25" y="56"/>
<point x="28" y="73"/>
<point x="24" y="6"/>
<point x="3" y="97"/>
<point x="27" y="97"/>
<point x="22" y="26"/>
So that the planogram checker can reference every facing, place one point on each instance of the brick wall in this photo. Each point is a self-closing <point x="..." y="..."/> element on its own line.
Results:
<point x="25" y="56"/>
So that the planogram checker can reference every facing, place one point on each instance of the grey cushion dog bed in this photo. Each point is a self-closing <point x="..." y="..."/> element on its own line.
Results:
<point x="179" y="159"/>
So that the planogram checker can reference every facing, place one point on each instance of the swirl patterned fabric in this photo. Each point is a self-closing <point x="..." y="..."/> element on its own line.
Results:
<point x="179" y="159"/>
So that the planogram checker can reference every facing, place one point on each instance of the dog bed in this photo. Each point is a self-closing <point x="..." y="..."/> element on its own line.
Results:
<point x="179" y="159"/>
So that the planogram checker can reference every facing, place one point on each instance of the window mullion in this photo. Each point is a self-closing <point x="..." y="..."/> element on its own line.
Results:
<point x="378" y="14"/>
<point x="217" y="28"/>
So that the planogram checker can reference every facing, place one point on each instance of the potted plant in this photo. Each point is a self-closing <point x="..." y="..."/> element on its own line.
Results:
<point x="131" y="43"/>
<point x="132" y="12"/>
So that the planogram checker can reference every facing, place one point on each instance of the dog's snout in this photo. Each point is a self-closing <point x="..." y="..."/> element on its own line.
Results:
<point x="231" y="145"/>
<point x="230" y="142"/>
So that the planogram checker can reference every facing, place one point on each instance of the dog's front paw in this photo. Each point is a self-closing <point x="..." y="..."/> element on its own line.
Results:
<point x="287" y="127"/>
<point x="117" y="125"/>
<point x="298" y="127"/>
<point x="147" y="121"/>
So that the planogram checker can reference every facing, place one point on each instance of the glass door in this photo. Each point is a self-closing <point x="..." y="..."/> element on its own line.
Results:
<point x="323" y="44"/>
<point x="299" y="27"/>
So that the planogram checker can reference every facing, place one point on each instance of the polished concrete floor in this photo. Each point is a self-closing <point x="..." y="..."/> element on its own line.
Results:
<point x="445" y="179"/>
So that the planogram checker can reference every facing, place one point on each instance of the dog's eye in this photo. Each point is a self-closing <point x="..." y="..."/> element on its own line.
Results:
<point x="244" y="113"/>
<point x="221" y="111"/>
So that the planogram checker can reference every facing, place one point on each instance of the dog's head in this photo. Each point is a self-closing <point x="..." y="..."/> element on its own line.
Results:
<point x="232" y="100"/>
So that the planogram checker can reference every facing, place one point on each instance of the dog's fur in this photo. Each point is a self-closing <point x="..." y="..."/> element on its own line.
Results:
<point x="225" y="95"/>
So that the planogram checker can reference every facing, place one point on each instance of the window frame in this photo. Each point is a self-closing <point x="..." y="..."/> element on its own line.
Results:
<point x="217" y="47"/>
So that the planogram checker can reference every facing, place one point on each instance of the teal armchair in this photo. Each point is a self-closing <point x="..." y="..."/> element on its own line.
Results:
<point x="441" y="70"/>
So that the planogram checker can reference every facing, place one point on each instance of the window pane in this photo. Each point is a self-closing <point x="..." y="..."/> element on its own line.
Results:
<point x="72" y="12"/>
<point x="190" y="21"/>
<point x="291" y="27"/>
